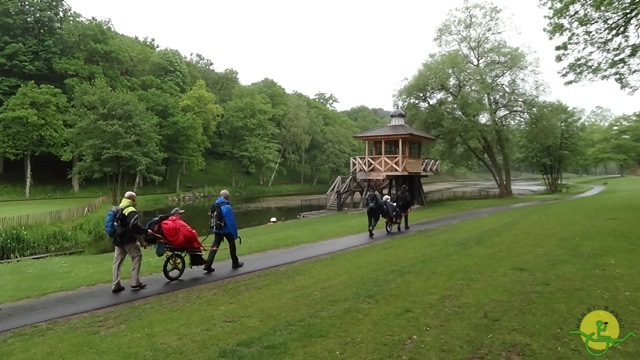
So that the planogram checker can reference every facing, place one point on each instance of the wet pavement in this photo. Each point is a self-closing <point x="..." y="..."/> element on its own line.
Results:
<point x="29" y="312"/>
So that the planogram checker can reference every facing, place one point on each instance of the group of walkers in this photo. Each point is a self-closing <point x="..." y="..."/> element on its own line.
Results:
<point x="391" y="211"/>
<point x="178" y="232"/>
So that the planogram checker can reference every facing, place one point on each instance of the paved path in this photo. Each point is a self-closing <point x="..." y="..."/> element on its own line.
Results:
<point x="28" y="312"/>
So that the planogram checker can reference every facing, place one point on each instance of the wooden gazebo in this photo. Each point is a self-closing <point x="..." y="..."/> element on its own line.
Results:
<point x="393" y="157"/>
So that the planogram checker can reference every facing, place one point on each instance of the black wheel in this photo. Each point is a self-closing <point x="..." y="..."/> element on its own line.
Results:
<point x="388" y="226"/>
<point x="174" y="266"/>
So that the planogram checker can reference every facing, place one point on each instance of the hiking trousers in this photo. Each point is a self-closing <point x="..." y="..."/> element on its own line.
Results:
<point x="373" y="216"/>
<point x="120" y="253"/>
<point x="217" y="240"/>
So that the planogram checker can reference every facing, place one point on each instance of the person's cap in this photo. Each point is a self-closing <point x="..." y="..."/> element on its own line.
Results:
<point x="177" y="211"/>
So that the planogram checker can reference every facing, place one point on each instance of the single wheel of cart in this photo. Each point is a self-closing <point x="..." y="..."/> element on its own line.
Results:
<point x="174" y="266"/>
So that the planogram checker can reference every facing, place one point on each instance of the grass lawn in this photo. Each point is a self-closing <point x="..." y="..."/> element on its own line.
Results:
<point x="505" y="286"/>
<point x="28" y="207"/>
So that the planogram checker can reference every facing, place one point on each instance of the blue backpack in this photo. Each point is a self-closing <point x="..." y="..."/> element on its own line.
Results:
<point x="114" y="222"/>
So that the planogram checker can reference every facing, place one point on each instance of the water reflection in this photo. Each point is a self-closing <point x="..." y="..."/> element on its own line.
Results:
<point x="247" y="215"/>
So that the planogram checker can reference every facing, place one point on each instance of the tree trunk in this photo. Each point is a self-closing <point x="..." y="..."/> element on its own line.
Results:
<point x="75" y="178"/>
<point x="119" y="191"/>
<point x="27" y="173"/>
<point x="276" y="168"/>
<point x="315" y="180"/>
<point x="1" y="164"/>
<point x="178" y="182"/>
<point x="302" y="171"/>
<point x="137" y="182"/>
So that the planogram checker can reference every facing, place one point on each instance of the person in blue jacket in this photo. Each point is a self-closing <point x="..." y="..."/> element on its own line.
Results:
<point x="223" y="228"/>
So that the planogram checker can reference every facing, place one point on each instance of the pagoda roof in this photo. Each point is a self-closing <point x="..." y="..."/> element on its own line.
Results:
<point x="390" y="131"/>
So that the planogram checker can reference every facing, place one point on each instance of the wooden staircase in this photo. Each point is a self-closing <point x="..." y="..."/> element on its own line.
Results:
<point x="345" y="187"/>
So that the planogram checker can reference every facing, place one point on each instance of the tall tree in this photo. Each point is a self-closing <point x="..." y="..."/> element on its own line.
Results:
<point x="552" y="139"/>
<point x="202" y="104"/>
<point x="477" y="87"/>
<point x="119" y="137"/>
<point x="93" y="50"/>
<point x="294" y="134"/>
<point x="169" y="67"/>
<point x="248" y="135"/>
<point x="599" y="39"/>
<point x="365" y="118"/>
<point x="29" y="42"/>
<point x="31" y="123"/>
<point x="620" y="142"/>
<point x="328" y="100"/>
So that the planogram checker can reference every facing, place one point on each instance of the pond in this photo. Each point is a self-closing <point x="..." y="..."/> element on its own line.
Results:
<point x="248" y="212"/>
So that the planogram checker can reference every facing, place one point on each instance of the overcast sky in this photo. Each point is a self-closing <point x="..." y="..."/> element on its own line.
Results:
<point x="358" y="50"/>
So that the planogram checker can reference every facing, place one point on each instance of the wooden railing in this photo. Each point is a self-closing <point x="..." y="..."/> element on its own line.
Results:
<point x="393" y="163"/>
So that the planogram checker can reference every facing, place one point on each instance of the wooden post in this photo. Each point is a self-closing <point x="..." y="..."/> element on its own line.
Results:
<point x="400" y="155"/>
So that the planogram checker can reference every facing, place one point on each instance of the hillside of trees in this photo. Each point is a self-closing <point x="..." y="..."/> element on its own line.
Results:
<point x="82" y="103"/>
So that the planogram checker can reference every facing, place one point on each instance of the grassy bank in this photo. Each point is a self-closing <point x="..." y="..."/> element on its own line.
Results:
<point x="506" y="286"/>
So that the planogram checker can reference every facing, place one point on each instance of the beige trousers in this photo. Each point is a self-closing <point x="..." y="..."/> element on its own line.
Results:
<point x="134" y="251"/>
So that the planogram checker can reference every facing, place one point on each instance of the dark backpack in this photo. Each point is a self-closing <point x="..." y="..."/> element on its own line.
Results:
<point x="115" y="223"/>
<point x="217" y="220"/>
<point x="371" y="199"/>
<point x="155" y="225"/>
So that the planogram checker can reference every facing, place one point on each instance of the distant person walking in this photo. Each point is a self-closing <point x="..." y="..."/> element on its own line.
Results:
<point x="404" y="203"/>
<point x="129" y="244"/>
<point x="224" y="227"/>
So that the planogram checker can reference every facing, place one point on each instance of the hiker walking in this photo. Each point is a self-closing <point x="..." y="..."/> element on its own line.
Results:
<point x="128" y="245"/>
<point x="373" y="205"/>
<point x="224" y="227"/>
<point x="404" y="203"/>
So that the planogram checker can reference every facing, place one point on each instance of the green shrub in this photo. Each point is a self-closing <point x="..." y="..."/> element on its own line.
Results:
<point x="13" y="242"/>
<point x="18" y="242"/>
<point x="91" y="231"/>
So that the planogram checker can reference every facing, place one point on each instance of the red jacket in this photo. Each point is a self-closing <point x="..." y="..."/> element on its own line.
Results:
<point x="179" y="234"/>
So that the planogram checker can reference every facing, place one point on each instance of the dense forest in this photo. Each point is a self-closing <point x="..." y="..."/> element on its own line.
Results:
<point x="82" y="103"/>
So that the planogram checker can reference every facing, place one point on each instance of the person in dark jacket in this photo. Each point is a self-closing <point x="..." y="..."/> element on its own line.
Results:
<point x="374" y="204"/>
<point x="404" y="203"/>
<point x="229" y="231"/>
<point x="129" y="245"/>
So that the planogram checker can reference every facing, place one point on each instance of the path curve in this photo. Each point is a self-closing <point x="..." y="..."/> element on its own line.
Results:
<point x="29" y="312"/>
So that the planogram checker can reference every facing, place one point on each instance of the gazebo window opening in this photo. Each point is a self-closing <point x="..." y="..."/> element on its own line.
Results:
<point x="414" y="150"/>
<point x="392" y="147"/>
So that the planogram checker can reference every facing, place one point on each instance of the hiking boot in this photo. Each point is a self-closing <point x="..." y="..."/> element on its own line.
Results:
<point x="406" y="227"/>
<point x="117" y="289"/>
<point x="139" y="286"/>
<point x="208" y="270"/>
<point x="238" y="265"/>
